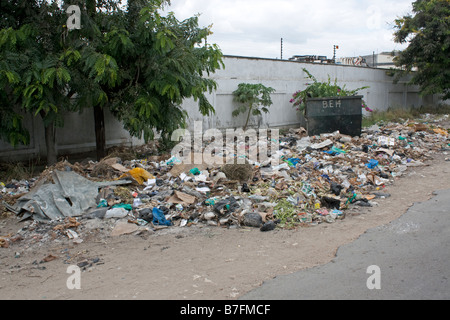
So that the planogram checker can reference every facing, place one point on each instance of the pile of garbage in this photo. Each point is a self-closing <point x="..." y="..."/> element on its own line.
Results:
<point x="317" y="179"/>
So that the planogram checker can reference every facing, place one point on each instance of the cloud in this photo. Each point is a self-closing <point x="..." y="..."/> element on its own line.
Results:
<point x="255" y="27"/>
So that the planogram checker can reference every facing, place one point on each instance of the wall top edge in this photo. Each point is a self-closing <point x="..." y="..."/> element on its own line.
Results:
<point x="301" y="62"/>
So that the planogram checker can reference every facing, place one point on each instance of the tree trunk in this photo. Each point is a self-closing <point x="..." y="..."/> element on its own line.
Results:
<point x="250" y="107"/>
<point x="50" y="143"/>
<point x="100" y="137"/>
<point x="91" y="7"/>
<point x="99" y="116"/>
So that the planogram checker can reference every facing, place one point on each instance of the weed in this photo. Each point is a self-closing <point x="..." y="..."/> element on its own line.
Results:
<point x="17" y="171"/>
<point x="399" y="114"/>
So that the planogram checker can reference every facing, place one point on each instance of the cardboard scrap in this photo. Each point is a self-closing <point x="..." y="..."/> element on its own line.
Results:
<point x="375" y="180"/>
<point x="123" y="227"/>
<point x="420" y="127"/>
<point x="119" y="167"/>
<point x="182" y="198"/>
<point x="387" y="151"/>
<point x="322" y="145"/>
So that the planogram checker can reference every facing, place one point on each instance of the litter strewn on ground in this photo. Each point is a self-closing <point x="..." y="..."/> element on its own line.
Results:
<point x="316" y="181"/>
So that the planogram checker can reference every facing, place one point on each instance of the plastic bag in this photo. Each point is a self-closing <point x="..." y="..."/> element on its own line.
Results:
<point x="293" y="161"/>
<point x="138" y="174"/>
<point x="195" y="171"/>
<point x="124" y="206"/>
<point x="159" y="218"/>
<point x="372" y="164"/>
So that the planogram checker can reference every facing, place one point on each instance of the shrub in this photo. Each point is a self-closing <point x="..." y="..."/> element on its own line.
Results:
<point x="321" y="90"/>
<point x="252" y="98"/>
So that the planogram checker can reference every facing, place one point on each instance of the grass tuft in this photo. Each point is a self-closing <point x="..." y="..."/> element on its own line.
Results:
<point x="400" y="114"/>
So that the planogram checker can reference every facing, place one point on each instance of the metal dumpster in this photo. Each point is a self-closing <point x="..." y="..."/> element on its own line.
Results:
<point x="327" y="115"/>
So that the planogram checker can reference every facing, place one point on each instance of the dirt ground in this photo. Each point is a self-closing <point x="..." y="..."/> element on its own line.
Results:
<point x="198" y="263"/>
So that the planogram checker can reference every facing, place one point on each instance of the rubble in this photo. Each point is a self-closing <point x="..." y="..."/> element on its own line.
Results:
<point x="317" y="180"/>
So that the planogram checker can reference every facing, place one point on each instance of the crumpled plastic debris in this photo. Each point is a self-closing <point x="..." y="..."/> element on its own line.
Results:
<point x="159" y="218"/>
<point x="139" y="174"/>
<point x="70" y="195"/>
<point x="372" y="164"/>
<point x="440" y="131"/>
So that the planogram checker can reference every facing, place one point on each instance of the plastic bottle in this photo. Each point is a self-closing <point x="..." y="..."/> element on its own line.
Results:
<point x="137" y="202"/>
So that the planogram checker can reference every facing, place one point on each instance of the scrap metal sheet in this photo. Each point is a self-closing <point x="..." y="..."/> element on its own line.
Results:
<point x="71" y="195"/>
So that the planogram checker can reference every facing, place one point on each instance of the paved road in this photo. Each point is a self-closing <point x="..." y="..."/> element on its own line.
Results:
<point x="412" y="254"/>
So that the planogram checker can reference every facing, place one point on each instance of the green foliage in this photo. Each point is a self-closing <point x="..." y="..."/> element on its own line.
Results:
<point x="252" y="98"/>
<point x="160" y="62"/>
<point x="428" y="53"/>
<point x="15" y="13"/>
<point x="11" y="129"/>
<point x="319" y="89"/>
<point x="287" y="213"/>
<point x="134" y="61"/>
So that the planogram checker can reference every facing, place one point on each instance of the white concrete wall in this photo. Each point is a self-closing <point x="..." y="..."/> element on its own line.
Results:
<point x="284" y="76"/>
<point x="77" y="136"/>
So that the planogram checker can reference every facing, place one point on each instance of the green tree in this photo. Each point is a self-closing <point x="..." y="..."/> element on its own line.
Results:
<point x="12" y="15"/>
<point x="33" y="77"/>
<point x="134" y="61"/>
<point x="427" y="33"/>
<point x="162" y="61"/>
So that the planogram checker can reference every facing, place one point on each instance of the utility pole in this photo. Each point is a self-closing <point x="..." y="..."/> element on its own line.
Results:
<point x="281" y="48"/>
<point x="335" y="47"/>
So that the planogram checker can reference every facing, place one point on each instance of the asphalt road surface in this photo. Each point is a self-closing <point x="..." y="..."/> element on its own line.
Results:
<point x="408" y="259"/>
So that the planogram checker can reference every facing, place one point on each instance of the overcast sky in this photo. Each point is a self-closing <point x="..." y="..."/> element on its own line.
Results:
<point x="254" y="28"/>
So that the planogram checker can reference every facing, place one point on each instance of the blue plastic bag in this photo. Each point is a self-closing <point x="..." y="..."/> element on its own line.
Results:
<point x="372" y="164"/>
<point x="159" y="218"/>
<point x="294" y="161"/>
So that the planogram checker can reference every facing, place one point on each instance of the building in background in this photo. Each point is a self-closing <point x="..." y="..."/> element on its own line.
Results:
<point x="313" y="59"/>
<point x="353" y="61"/>
<point x="384" y="60"/>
